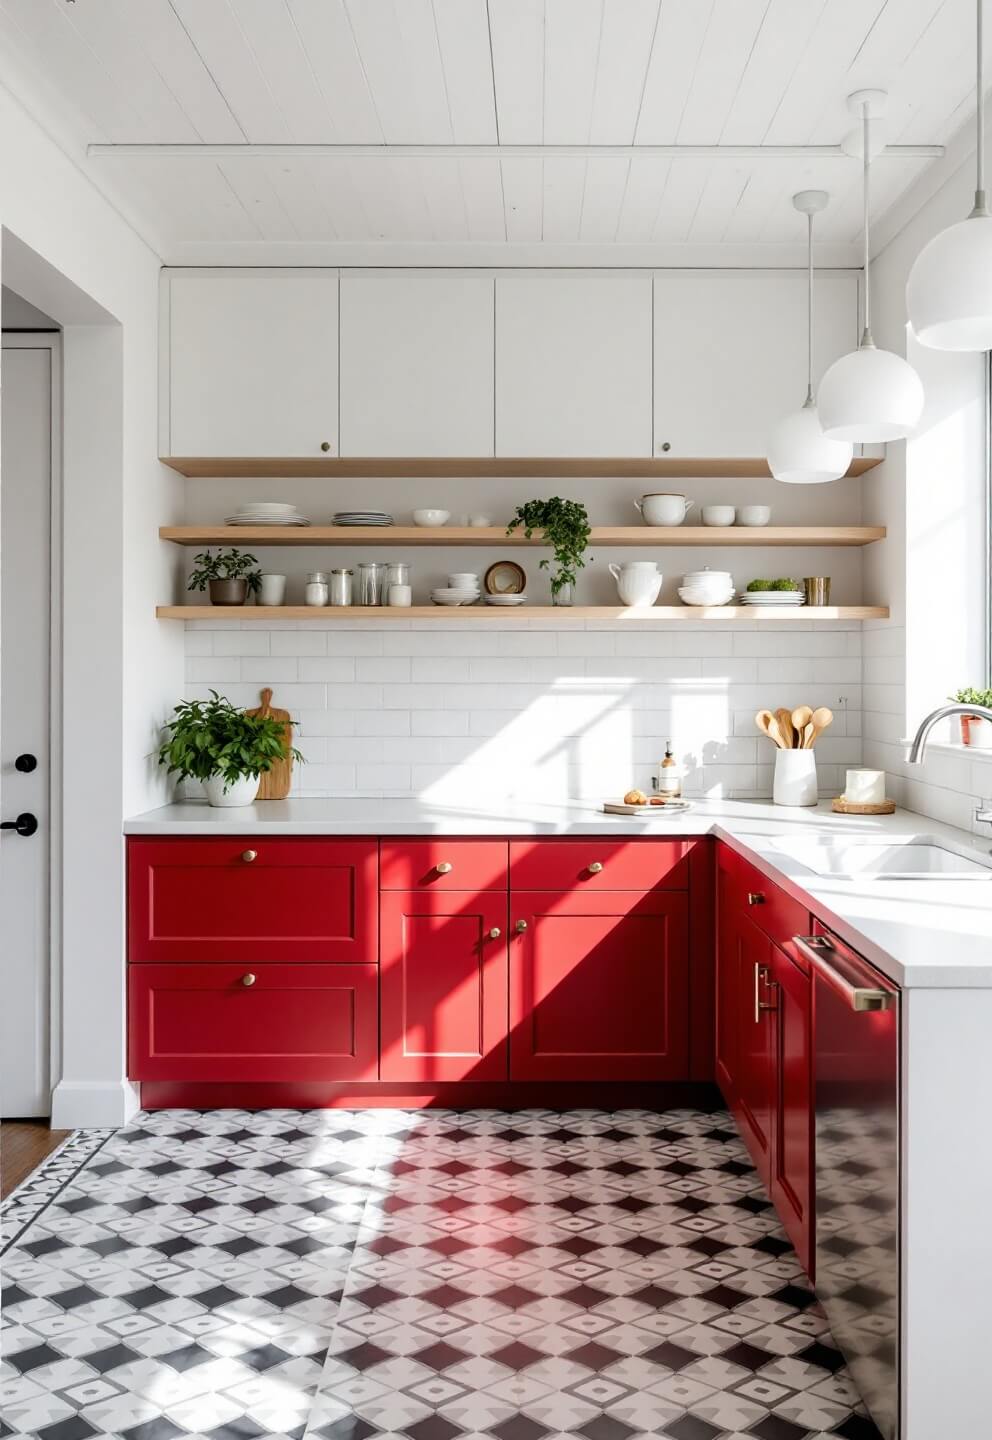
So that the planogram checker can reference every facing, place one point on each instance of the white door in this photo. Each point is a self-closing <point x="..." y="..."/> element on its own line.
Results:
<point x="28" y="383"/>
<point x="252" y="363"/>
<point x="416" y="363"/>
<point x="730" y="354"/>
<point x="573" y="364"/>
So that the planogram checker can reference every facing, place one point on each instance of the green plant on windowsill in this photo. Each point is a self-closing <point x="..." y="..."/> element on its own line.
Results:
<point x="215" y="742"/>
<point x="976" y="730"/>
<point x="565" y="528"/>
<point x="970" y="696"/>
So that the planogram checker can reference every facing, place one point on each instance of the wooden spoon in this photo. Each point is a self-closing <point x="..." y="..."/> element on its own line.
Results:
<point x="789" y="738"/>
<point x="819" y="721"/>
<point x="768" y="725"/>
<point x="801" y="717"/>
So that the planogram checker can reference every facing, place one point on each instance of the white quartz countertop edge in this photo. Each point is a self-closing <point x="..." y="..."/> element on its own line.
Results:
<point x="920" y="933"/>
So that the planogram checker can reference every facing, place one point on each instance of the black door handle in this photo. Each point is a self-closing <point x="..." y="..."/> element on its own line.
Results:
<point x="25" y="824"/>
<point x="26" y="763"/>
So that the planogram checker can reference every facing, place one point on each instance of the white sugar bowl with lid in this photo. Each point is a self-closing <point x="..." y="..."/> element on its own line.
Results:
<point x="706" y="587"/>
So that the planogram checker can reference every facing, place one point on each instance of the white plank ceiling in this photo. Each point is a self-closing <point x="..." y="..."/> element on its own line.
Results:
<point x="465" y="74"/>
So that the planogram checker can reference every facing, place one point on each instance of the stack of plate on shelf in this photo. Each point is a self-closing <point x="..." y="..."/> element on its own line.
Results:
<point x="506" y="599"/>
<point x="707" y="587"/>
<point x="362" y="517"/>
<point x="772" y="598"/>
<point x="265" y="512"/>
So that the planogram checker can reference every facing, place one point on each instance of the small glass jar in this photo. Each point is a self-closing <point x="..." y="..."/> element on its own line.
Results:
<point x="316" y="590"/>
<point x="397" y="573"/>
<point x="341" y="587"/>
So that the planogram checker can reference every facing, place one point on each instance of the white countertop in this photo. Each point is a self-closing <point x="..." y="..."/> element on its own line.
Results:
<point x="927" y="932"/>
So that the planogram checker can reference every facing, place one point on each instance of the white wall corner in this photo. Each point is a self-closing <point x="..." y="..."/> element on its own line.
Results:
<point x="86" y="1104"/>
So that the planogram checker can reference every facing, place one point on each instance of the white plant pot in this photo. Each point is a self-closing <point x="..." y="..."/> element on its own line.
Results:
<point x="242" y="792"/>
<point x="795" y="778"/>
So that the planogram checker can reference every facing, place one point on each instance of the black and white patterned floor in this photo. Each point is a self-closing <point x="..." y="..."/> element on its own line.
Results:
<point x="387" y="1275"/>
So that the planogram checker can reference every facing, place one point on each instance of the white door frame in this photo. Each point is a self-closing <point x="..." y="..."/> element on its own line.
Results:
<point x="52" y="341"/>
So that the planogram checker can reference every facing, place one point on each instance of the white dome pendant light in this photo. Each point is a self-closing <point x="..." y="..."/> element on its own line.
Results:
<point x="869" y="395"/>
<point x="798" y="452"/>
<point x="949" y="291"/>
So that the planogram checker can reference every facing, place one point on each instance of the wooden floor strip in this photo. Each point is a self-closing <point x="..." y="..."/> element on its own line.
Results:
<point x="24" y="1144"/>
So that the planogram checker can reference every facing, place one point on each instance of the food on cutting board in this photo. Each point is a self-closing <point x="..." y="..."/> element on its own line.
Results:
<point x="635" y="797"/>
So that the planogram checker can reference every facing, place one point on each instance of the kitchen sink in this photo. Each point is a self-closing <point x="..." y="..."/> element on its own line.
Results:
<point x="916" y="858"/>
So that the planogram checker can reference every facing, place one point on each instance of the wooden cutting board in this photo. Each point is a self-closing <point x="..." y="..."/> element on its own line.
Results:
<point x="274" y="784"/>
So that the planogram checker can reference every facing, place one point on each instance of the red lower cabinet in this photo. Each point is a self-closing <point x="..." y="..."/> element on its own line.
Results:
<point x="755" y="1061"/>
<point x="444" y="986"/>
<point x="599" y="986"/>
<point x="792" y="1151"/>
<point x="273" y="1022"/>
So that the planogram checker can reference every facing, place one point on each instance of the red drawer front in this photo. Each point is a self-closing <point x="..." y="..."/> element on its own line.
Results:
<point x="295" y="1022"/>
<point x="424" y="865"/>
<point x="444" y="987"/>
<point x="205" y="900"/>
<point x="599" y="987"/>
<point x="771" y="909"/>
<point x="626" y="864"/>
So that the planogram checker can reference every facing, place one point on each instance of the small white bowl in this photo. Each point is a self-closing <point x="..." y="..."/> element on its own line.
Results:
<point x="754" y="515"/>
<point x="719" y="515"/>
<point x="431" y="518"/>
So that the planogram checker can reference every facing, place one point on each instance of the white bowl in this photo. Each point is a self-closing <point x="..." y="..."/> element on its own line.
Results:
<point x="506" y="599"/>
<point x="754" y="514"/>
<point x="447" y="598"/>
<point x="719" y="514"/>
<point x="464" y="580"/>
<point x="431" y="517"/>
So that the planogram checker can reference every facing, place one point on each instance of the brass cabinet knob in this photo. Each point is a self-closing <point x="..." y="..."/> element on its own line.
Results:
<point x="249" y="855"/>
<point x="495" y="933"/>
<point x="595" y="867"/>
<point x="755" y="897"/>
<point x="248" y="979"/>
<point x="520" y="926"/>
<point x="325" y="445"/>
<point x="444" y="867"/>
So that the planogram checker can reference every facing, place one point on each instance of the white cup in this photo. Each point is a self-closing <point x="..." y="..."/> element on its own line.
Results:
<point x="663" y="509"/>
<point x="479" y="522"/>
<point x="272" y="590"/>
<point x="719" y="514"/>
<point x="400" y="595"/>
<point x="464" y="580"/>
<point x="638" y="582"/>
<point x="754" y="514"/>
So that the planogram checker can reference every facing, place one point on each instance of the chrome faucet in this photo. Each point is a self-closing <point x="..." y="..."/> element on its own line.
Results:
<point x="919" y="745"/>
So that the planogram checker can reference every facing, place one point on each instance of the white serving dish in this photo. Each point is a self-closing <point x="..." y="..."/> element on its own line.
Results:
<point x="431" y="518"/>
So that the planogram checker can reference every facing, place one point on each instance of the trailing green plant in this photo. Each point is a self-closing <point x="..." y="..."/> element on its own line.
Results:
<point x="565" y="528"/>
<point x="213" y="737"/>
<point x="225" y="565"/>
<point x="970" y="696"/>
<point x="774" y="585"/>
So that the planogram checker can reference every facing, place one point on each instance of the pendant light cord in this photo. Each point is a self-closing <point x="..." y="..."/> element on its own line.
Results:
<point x="809" y="308"/>
<point x="866" y="337"/>
<point x="981" y="206"/>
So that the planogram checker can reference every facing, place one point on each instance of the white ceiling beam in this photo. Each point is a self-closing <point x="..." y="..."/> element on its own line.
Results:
<point x="286" y="150"/>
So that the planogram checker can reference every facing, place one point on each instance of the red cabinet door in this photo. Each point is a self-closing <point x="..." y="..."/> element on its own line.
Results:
<point x="252" y="898"/>
<point x="792" y="1148"/>
<point x="754" y="1092"/>
<point x="291" y="1022"/>
<point x="440" y="864"/>
<point x="729" y="1019"/>
<point x="444" y="986"/>
<point x="595" y="863"/>
<point x="599" y="986"/>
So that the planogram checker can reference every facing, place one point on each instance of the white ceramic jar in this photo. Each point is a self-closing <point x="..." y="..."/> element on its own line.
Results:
<point x="638" y="582"/>
<point x="795" y="778"/>
<point x="663" y="509"/>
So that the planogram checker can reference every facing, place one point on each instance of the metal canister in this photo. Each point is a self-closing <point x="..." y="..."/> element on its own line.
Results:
<point x="817" y="589"/>
<point x="340" y="587"/>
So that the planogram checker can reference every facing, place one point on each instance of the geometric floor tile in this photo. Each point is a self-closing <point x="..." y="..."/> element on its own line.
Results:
<point x="397" y="1275"/>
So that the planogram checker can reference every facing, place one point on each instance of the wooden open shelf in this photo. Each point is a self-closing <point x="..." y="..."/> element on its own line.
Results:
<point x="414" y="467"/>
<point x="386" y="613"/>
<point x="634" y="535"/>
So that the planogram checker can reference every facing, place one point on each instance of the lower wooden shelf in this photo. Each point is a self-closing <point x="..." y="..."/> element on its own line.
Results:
<point x="494" y="613"/>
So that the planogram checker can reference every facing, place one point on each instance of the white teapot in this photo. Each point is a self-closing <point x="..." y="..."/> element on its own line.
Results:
<point x="638" y="582"/>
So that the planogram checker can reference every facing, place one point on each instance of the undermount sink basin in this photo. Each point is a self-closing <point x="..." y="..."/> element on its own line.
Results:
<point x="917" y="858"/>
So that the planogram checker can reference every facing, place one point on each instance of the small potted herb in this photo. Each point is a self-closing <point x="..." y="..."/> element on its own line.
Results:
<point x="229" y="575"/>
<point x="760" y="585"/>
<point x="224" y="747"/>
<point x="565" y="528"/>
<point x="975" y="729"/>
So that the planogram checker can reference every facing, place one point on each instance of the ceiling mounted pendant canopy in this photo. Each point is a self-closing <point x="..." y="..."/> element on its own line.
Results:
<point x="798" y="452"/>
<point x="869" y="395"/>
<point x="949" y="291"/>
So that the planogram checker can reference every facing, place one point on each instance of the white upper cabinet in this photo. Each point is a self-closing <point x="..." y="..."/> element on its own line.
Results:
<point x="730" y="354"/>
<point x="416" y="363"/>
<point x="573" y="364"/>
<point x="252" y="363"/>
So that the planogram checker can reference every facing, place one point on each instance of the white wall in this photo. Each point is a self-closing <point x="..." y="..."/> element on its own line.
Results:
<point x="66" y="251"/>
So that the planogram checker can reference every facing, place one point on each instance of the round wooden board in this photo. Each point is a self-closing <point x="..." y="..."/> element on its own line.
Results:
<point x="850" y="807"/>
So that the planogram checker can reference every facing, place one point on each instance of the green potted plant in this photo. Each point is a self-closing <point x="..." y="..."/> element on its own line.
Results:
<point x="224" y="747"/>
<point x="975" y="729"/>
<point x="565" y="528"/>
<point x="229" y="575"/>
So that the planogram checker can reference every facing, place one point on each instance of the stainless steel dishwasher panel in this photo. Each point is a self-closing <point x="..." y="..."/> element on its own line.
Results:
<point x="856" y="1014"/>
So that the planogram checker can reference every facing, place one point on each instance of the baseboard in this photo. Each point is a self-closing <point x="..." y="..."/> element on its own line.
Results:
<point x="93" y="1104"/>
<point x="457" y="1095"/>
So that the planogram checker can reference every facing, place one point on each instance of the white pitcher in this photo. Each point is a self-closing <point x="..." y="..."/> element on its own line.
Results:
<point x="638" y="582"/>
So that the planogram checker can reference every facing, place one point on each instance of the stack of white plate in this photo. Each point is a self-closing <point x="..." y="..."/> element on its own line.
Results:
<point x="506" y="599"/>
<point x="265" y="512"/>
<point x="451" y="595"/>
<point x="707" y="587"/>
<point x="362" y="517"/>
<point x="772" y="598"/>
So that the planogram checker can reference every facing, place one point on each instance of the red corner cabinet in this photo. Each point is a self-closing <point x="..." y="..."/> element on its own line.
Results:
<point x="413" y="962"/>
<point x="764" y="1025"/>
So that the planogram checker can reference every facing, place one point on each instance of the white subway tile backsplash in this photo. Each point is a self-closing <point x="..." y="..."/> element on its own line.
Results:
<point x="299" y="642"/>
<point x="340" y="668"/>
<point x="242" y="642"/>
<point x="394" y="668"/>
<point x="270" y="669"/>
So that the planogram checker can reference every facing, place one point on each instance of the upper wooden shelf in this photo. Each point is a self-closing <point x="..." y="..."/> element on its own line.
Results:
<point x="496" y="613"/>
<point x="446" y="466"/>
<point x="635" y="535"/>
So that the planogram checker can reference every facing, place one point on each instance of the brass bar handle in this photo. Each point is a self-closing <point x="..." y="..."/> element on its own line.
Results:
<point x="761" y="976"/>
<point x="444" y="867"/>
<point x="755" y="897"/>
<point x="816" y="949"/>
<point x="495" y="933"/>
<point x="248" y="979"/>
<point x="595" y="867"/>
<point x="249" y="855"/>
<point x="520" y="926"/>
